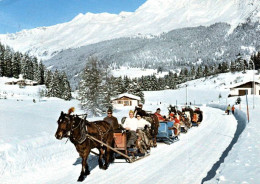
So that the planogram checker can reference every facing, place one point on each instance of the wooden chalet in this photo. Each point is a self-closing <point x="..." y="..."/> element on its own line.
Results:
<point x="245" y="88"/>
<point x="125" y="99"/>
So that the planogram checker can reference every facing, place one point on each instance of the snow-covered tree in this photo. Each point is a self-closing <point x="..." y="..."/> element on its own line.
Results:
<point x="65" y="85"/>
<point x="91" y="91"/>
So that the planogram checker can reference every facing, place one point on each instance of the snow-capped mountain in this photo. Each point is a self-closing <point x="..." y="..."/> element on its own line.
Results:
<point x="152" y="18"/>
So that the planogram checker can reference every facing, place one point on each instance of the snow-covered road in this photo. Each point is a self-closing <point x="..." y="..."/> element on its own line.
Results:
<point x="40" y="158"/>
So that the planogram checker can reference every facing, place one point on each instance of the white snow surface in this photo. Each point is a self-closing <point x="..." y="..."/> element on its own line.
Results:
<point x="136" y="72"/>
<point x="152" y="18"/>
<point x="29" y="152"/>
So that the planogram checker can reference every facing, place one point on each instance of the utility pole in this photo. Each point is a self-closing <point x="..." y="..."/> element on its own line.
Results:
<point x="247" y="108"/>
<point x="186" y="94"/>
<point x="253" y="86"/>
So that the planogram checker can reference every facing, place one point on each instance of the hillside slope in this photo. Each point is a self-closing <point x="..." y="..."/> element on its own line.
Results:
<point x="152" y="18"/>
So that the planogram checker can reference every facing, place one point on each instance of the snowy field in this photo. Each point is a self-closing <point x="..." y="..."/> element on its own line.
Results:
<point x="136" y="72"/>
<point x="29" y="152"/>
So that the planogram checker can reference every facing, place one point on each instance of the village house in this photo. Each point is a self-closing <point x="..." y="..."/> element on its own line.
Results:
<point x="125" y="99"/>
<point x="244" y="88"/>
<point x="21" y="82"/>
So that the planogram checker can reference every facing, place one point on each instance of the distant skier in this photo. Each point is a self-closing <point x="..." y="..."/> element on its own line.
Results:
<point x="233" y="109"/>
<point x="228" y="109"/>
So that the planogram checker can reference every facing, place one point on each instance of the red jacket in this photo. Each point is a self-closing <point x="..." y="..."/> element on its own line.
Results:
<point x="159" y="116"/>
<point x="176" y="120"/>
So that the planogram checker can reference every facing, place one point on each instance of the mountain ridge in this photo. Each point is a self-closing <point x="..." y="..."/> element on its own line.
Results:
<point x="152" y="18"/>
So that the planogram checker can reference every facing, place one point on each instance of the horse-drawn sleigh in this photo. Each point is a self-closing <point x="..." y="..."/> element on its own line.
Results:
<point x="87" y="135"/>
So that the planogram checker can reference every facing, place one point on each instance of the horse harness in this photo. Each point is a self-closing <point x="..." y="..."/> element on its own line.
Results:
<point x="100" y="132"/>
<point x="83" y="131"/>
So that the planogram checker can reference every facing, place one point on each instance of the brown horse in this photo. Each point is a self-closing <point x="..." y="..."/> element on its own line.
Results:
<point x="153" y="119"/>
<point x="76" y="129"/>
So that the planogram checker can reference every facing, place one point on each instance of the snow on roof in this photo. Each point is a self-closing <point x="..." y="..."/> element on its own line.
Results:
<point x="241" y="83"/>
<point x="126" y="95"/>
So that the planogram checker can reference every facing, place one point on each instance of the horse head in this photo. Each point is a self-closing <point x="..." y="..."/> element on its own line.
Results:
<point x="64" y="125"/>
<point x="172" y="109"/>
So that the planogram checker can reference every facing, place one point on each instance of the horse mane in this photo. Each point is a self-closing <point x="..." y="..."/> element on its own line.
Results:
<point x="71" y="110"/>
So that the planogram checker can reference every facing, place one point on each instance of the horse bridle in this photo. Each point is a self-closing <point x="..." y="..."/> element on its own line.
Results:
<point x="83" y="131"/>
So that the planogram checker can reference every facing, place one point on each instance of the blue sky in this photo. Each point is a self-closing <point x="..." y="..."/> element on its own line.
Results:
<point x="16" y="15"/>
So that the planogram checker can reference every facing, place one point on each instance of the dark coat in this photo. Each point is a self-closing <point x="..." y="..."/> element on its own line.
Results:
<point x="112" y="121"/>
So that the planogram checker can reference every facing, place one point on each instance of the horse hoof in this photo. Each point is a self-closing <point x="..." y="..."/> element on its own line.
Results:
<point x="104" y="167"/>
<point x="81" y="178"/>
<point x="87" y="173"/>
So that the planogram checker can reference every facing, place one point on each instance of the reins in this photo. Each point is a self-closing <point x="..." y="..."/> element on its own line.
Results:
<point x="83" y="130"/>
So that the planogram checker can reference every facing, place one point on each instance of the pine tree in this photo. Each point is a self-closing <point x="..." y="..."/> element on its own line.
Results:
<point x="126" y="81"/>
<point x="256" y="61"/>
<point x="232" y="67"/>
<point x="16" y="64"/>
<point x="120" y="85"/>
<point x="54" y="87"/>
<point x="47" y="78"/>
<point x="193" y="72"/>
<point x="66" y="90"/>
<point x="2" y="61"/>
<point x="224" y="68"/>
<point x="199" y="72"/>
<point x="9" y="62"/>
<point x="91" y="94"/>
<point x="239" y="63"/>
<point x="40" y="73"/>
<point x="206" y="71"/>
<point x="35" y="69"/>
<point x="135" y="89"/>
<point x="251" y="64"/>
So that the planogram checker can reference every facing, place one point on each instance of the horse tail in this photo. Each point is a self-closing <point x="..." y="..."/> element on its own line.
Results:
<point x="71" y="110"/>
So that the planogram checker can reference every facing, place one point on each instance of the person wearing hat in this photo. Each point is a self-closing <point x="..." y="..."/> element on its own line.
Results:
<point x="112" y="120"/>
<point x="131" y="126"/>
<point x="159" y="116"/>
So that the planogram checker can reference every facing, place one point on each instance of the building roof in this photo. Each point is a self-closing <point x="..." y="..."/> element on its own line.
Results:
<point x="126" y="95"/>
<point x="242" y="83"/>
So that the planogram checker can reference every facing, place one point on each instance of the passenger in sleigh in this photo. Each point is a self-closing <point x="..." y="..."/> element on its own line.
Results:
<point x="176" y="127"/>
<point x="130" y="126"/>
<point x="159" y="116"/>
<point x="143" y="142"/>
<point x="171" y="116"/>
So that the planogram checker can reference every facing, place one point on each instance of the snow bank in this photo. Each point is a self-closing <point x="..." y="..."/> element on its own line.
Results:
<point x="242" y="164"/>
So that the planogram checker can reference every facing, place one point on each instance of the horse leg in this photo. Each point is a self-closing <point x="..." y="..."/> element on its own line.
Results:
<point x="107" y="158"/>
<point x="84" y="170"/>
<point x="100" y="162"/>
<point x="109" y="153"/>
<point x="154" y="141"/>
